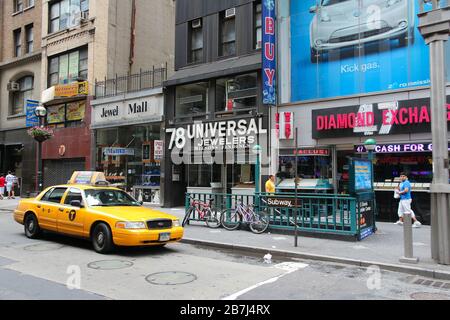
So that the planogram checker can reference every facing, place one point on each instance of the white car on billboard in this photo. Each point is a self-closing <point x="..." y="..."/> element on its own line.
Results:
<point x="341" y="24"/>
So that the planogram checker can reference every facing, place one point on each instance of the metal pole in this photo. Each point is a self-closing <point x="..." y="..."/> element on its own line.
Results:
<point x="296" y="186"/>
<point x="39" y="173"/>
<point x="408" y="240"/>
<point x="439" y="229"/>
<point x="434" y="27"/>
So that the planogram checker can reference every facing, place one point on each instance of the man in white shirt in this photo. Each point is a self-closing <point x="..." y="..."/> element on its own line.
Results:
<point x="10" y="180"/>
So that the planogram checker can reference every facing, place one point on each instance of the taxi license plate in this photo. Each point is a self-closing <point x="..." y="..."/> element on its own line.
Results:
<point x="164" y="237"/>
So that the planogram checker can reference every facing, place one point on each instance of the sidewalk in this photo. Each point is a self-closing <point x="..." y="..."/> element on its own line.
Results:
<point x="383" y="248"/>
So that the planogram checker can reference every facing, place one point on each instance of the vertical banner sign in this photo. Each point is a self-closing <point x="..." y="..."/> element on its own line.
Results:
<point x="268" y="52"/>
<point x="32" y="120"/>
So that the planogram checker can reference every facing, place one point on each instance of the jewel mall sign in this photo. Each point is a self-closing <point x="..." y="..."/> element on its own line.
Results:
<point x="222" y="135"/>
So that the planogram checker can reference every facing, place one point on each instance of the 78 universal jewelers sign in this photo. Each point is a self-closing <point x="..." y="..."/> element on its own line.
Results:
<point x="222" y="135"/>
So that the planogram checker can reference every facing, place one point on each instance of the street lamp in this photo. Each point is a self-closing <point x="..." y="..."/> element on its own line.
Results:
<point x="370" y="146"/>
<point x="41" y="113"/>
<point x="434" y="25"/>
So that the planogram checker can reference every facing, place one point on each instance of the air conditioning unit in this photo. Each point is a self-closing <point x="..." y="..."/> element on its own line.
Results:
<point x="230" y="13"/>
<point x="84" y="16"/>
<point x="197" y="24"/>
<point x="13" y="86"/>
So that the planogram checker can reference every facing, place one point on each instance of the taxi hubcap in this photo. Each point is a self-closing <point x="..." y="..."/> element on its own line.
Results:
<point x="100" y="238"/>
<point x="31" y="225"/>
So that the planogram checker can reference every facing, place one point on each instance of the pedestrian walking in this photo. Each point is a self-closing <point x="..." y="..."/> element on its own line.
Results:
<point x="404" y="207"/>
<point x="270" y="185"/>
<point x="2" y="186"/>
<point x="10" y="180"/>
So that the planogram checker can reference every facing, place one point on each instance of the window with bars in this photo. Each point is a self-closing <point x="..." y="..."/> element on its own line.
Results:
<point x="227" y="35"/>
<point x="258" y="25"/>
<point x="18" y="5"/>
<point x="66" y="14"/>
<point x="19" y="98"/>
<point x="29" y="38"/>
<point x="196" y="34"/>
<point x="68" y="67"/>
<point x="17" y="42"/>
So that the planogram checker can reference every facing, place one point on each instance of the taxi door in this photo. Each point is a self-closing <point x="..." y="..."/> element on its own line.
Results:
<point x="71" y="217"/>
<point x="47" y="208"/>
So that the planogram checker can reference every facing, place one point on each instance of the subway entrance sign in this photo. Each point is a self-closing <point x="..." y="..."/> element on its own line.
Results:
<point x="361" y="187"/>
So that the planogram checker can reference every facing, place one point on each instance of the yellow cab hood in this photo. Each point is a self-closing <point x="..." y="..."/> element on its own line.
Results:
<point x="133" y="213"/>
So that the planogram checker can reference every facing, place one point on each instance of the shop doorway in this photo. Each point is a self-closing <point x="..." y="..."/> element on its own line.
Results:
<point x="12" y="161"/>
<point x="59" y="171"/>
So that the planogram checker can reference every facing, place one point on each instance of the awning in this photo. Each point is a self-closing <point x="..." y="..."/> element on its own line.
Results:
<point x="217" y="69"/>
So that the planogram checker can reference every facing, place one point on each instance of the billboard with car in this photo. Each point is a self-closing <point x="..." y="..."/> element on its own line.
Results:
<point x="346" y="47"/>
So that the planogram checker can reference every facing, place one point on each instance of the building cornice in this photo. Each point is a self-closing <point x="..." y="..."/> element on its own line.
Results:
<point x="16" y="62"/>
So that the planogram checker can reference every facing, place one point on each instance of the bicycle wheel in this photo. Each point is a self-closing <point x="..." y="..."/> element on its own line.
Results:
<point x="230" y="219"/>
<point x="213" y="218"/>
<point x="259" y="223"/>
<point x="187" y="216"/>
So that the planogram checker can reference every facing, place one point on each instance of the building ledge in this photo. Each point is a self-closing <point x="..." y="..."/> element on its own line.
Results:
<point x="216" y="69"/>
<point x="21" y="60"/>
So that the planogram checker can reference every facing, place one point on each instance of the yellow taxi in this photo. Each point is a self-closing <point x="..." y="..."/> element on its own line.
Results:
<point x="89" y="208"/>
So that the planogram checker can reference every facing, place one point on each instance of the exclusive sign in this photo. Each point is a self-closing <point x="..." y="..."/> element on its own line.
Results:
<point x="283" y="202"/>
<point x="396" y="117"/>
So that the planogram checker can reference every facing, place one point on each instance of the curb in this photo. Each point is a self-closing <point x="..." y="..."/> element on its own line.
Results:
<point x="429" y="273"/>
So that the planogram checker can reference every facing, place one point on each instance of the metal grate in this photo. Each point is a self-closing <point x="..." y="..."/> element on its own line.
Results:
<point x="430" y="283"/>
<point x="159" y="224"/>
<point x="59" y="171"/>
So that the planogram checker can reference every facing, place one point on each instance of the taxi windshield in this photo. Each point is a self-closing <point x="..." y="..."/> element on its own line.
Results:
<point x="109" y="198"/>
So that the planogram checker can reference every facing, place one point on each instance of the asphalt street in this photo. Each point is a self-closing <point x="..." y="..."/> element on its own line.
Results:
<point x="49" y="268"/>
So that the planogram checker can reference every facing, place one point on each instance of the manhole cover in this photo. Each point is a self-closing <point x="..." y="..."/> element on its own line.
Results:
<point x="43" y="247"/>
<point x="110" y="264"/>
<point x="429" y="296"/>
<point x="171" y="278"/>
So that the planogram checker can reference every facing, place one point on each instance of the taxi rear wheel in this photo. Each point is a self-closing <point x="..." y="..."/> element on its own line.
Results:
<point x="102" y="239"/>
<point x="31" y="225"/>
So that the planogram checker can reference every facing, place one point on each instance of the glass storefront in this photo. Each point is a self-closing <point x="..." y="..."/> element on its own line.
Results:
<point x="314" y="172"/>
<point x="223" y="177"/>
<point x="131" y="159"/>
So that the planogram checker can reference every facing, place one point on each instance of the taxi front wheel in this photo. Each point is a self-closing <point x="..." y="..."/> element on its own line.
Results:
<point x="31" y="225"/>
<point x="102" y="239"/>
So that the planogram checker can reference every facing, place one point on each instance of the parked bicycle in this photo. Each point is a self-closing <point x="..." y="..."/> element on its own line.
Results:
<point x="205" y="212"/>
<point x="231" y="219"/>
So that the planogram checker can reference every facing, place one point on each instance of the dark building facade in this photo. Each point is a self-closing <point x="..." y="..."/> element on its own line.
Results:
<point x="213" y="101"/>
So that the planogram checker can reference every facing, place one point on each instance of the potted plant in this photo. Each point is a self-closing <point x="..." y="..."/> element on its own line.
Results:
<point x="40" y="134"/>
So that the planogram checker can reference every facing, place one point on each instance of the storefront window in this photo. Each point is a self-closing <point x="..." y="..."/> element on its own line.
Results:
<point x="202" y="175"/>
<point x="307" y="167"/>
<point x="240" y="175"/>
<point x="66" y="115"/>
<point x="237" y="93"/>
<point x="191" y="100"/>
<point x="131" y="158"/>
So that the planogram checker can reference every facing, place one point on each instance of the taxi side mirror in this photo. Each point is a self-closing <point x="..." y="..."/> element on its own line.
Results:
<point x="76" y="203"/>
<point x="141" y="203"/>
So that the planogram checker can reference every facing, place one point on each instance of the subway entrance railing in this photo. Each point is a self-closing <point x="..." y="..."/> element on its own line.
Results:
<point x="314" y="213"/>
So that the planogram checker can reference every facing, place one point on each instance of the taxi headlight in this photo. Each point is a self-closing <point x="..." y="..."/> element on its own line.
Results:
<point x="175" y="223"/>
<point x="131" y="225"/>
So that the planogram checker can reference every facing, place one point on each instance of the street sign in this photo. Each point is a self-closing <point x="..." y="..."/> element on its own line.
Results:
<point x="31" y="118"/>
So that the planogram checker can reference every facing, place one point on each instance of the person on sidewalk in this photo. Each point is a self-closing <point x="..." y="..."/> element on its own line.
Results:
<point x="2" y="186"/>
<point x="270" y="185"/>
<point x="404" y="206"/>
<point x="10" y="180"/>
